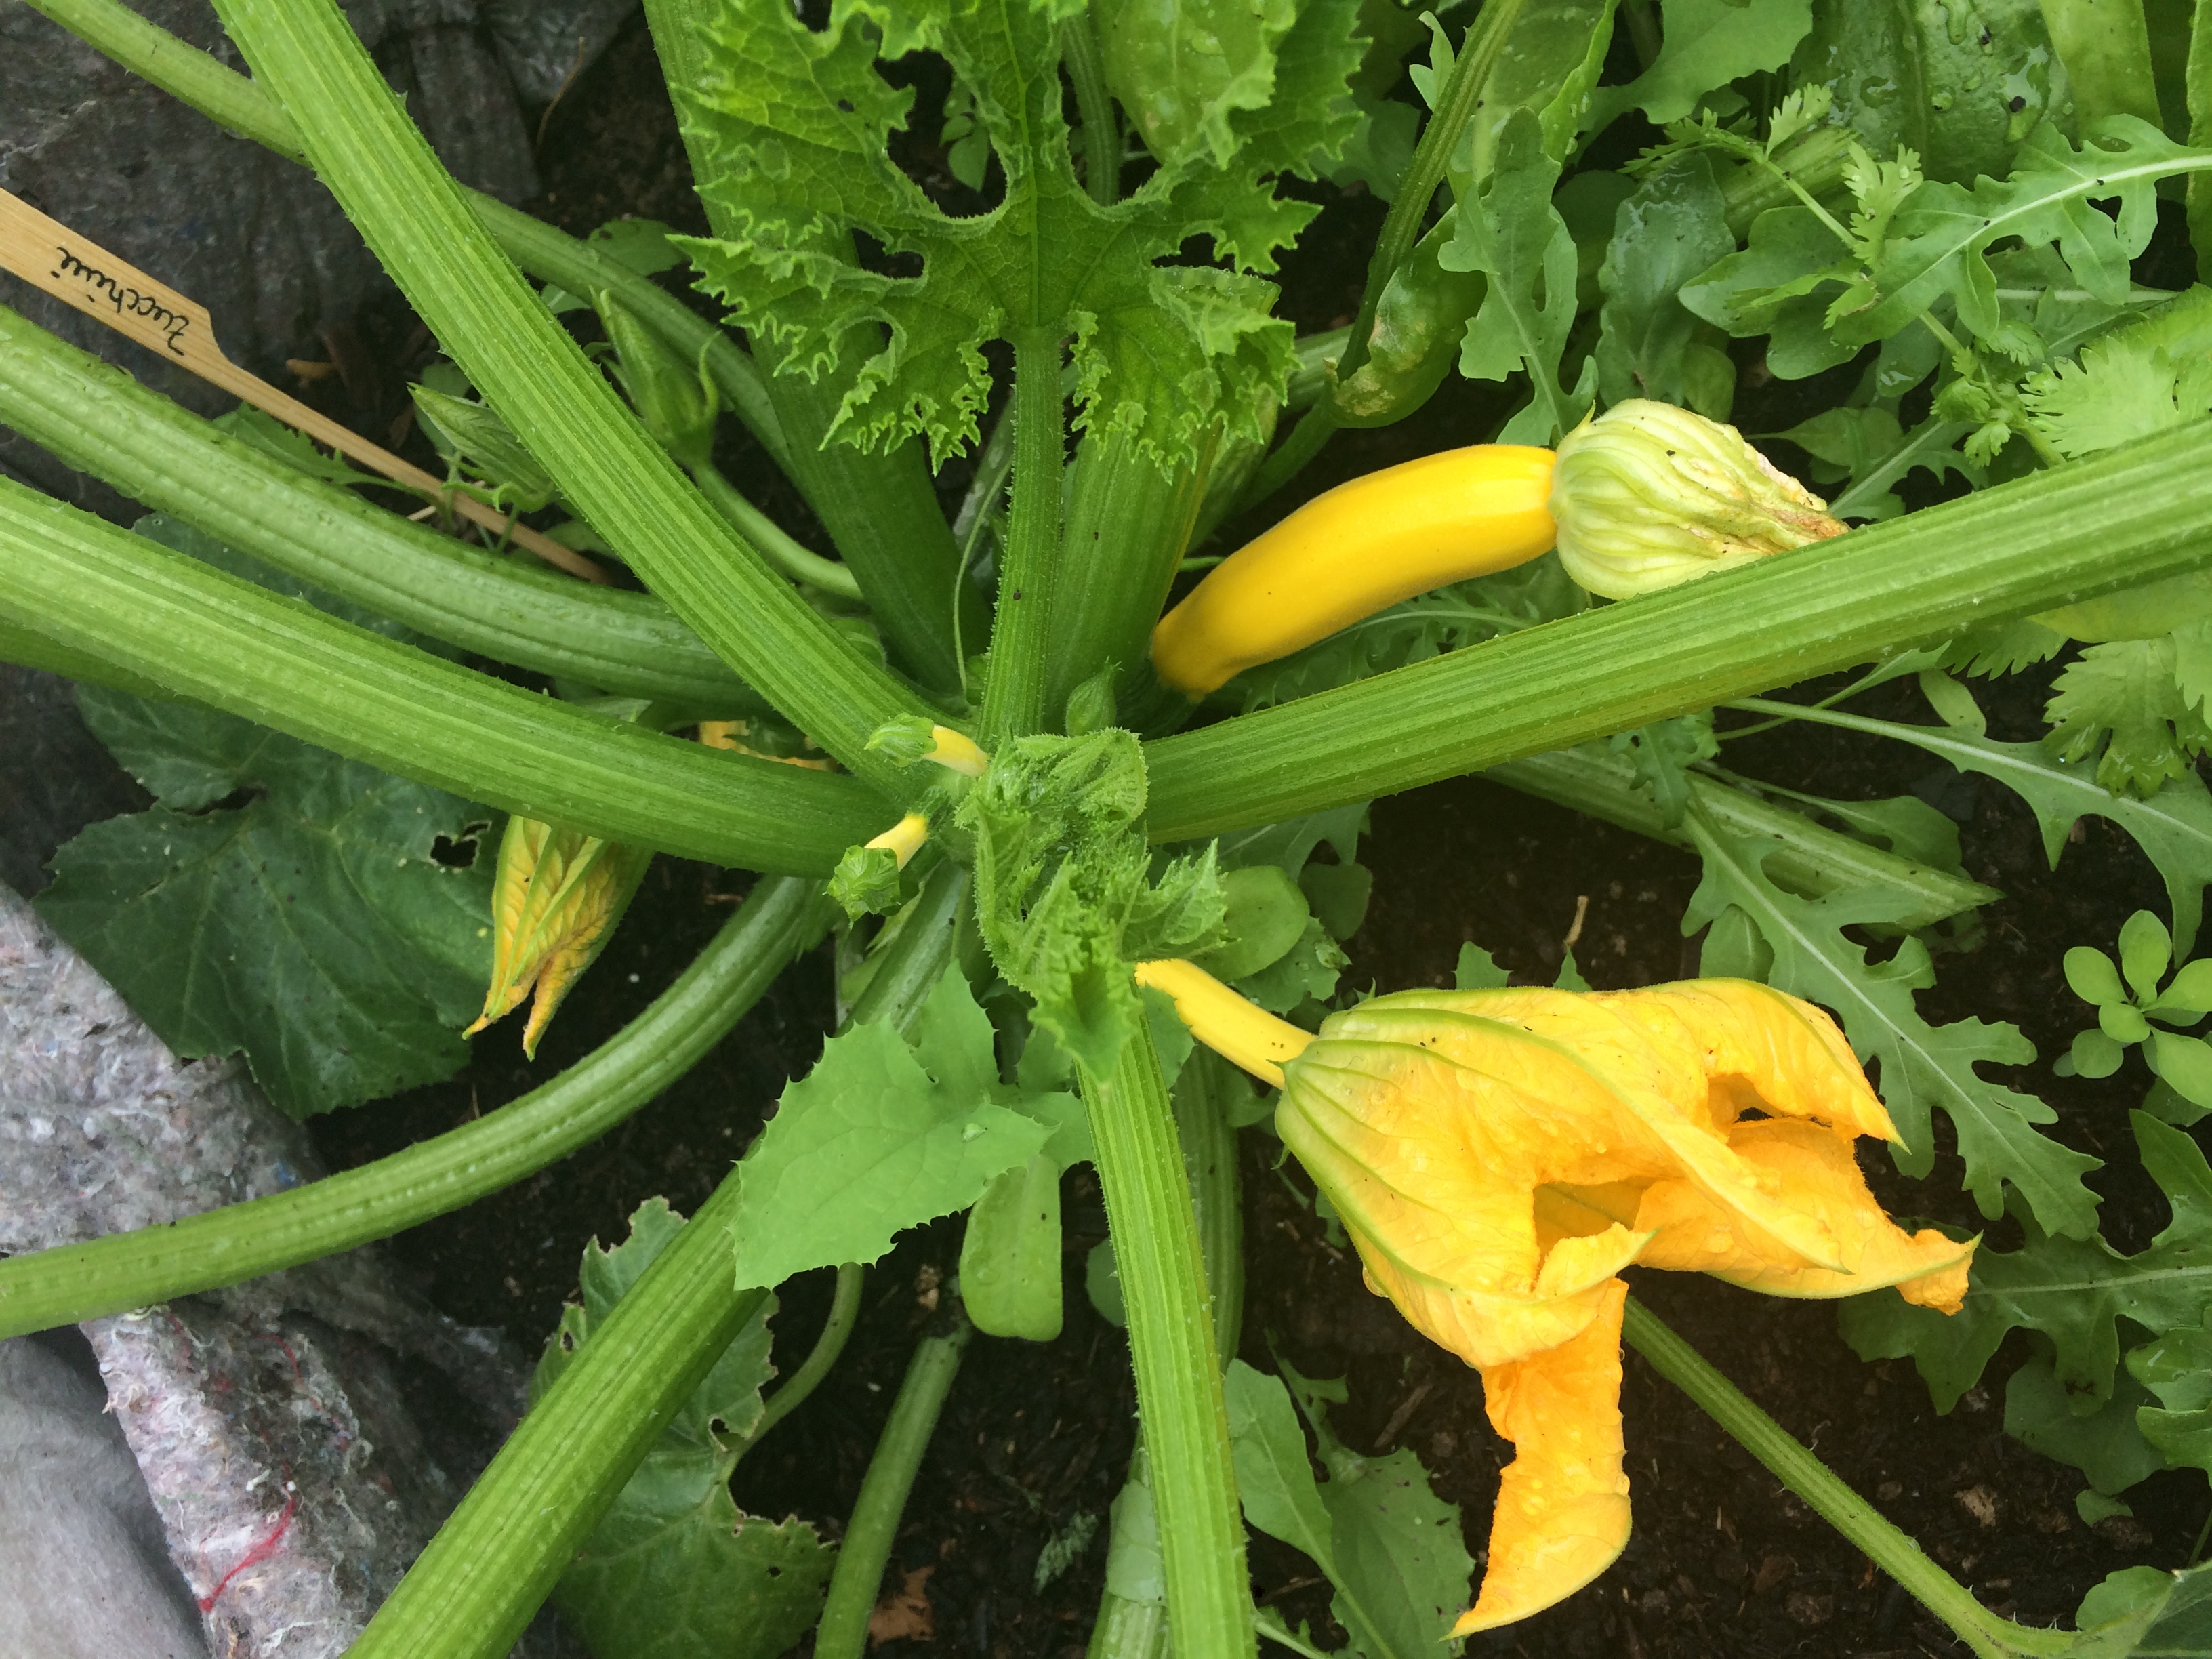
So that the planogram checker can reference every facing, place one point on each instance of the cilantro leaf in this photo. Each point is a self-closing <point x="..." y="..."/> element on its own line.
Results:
<point x="882" y="1134"/>
<point x="2122" y="703"/>
<point x="2153" y="375"/>
<point x="1510" y="231"/>
<point x="674" y="1568"/>
<point x="1703" y="45"/>
<point x="2074" y="1291"/>
<point x="312" y="928"/>
<point x="1777" y="285"/>
<point x="796" y="123"/>
<point x="1922" y="1067"/>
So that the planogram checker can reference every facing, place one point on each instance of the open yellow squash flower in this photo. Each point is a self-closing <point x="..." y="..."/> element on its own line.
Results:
<point x="1499" y="1156"/>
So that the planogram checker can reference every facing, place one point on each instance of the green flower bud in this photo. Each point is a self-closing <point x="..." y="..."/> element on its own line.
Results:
<point x="674" y="399"/>
<point x="1647" y="496"/>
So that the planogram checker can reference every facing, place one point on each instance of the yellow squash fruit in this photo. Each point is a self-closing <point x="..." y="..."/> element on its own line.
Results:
<point x="1642" y="497"/>
<point x="1497" y="1157"/>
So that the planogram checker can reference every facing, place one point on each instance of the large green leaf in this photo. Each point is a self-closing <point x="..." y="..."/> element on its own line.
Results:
<point x="883" y="1134"/>
<point x="1706" y="45"/>
<point x="279" y="900"/>
<point x="674" y="1570"/>
<point x="797" y="122"/>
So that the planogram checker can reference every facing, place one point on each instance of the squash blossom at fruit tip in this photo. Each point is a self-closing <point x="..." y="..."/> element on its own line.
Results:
<point x="1498" y="1157"/>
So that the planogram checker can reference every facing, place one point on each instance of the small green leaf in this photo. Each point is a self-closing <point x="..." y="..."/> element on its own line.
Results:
<point x="2122" y="1023"/>
<point x="2103" y="1442"/>
<point x="1265" y="915"/>
<point x="2177" y="1368"/>
<point x="2184" y="1064"/>
<point x="2146" y="948"/>
<point x="674" y="1570"/>
<point x="1101" y="1283"/>
<point x="1674" y="228"/>
<point x="2191" y="992"/>
<point x="2093" y="977"/>
<point x="2122" y="703"/>
<point x="2096" y="1055"/>
<point x="882" y="1135"/>
<point x="1704" y="45"/>
<point x="1477" y="971"/>
<point x="1339" y="894"/>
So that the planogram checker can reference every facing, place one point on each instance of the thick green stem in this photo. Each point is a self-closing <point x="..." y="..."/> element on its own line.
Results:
<point x="1289" y="457"/>
<point x="412" y="213"/>
<point x="471" y="1591"/>
<point x="1890" y="1549"/>
<point x="1014" y="699"/>
<point x="228" y="98"/>
<point x="1807" y="859"/>
<point x="1128" y="525"/>
<point x="1094" y="104"/>
<point x="783" y="916"/>
<point x="859" y="1574"/>
<point x="1178" y="1363"/>
<point x="121" y="599"/>
<point x="96" y="417"/>
<point x="844" y="1309"/>
<point x="2140" y="514"/>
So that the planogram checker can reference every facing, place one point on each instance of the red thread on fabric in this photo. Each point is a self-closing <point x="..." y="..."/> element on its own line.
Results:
<point x="260" y="1553"/>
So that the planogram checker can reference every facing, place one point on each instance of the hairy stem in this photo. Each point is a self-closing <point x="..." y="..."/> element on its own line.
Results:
<point x="859" y="1574"/>
<point x="1014" y="698"/>
<point x="783" y="916"/>
<point x="1178" y="1361"/>
<point x="1797" y="1468"/>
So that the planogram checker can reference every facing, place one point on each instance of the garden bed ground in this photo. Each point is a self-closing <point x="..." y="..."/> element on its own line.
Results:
<point x="1034" y="1439"/>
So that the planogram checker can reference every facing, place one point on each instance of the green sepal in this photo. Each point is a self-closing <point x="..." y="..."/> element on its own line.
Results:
<point x="866" y="882"/>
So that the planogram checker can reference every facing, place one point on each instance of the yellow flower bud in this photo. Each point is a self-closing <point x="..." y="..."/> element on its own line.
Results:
<point x="554" y="903"/>
<point x="1647" y="496"/>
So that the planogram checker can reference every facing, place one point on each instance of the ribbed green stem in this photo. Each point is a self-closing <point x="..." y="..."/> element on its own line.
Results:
<point x="96" y="417"/>
<point x="471" y="1591"/>
<point x="2140" y="514"/>
<point x="1807" y="859"/>
<point x="1889" y="1548"/>
<point x="28" y="648"/>
<point x="1014" y="702"/>
<point x="229" y="99"/>
<point x="410" y="211"/>
<point x="821" y="1358"/>
<point x="1085" y="65"/>
<point x="1128" y="525"/>
<point x="94" y="589"/>
<point x="859" y="1574"/>
<point x="776" y="545"/>
<point x="783" y="917"/>
<point x="1178" y="1363"/>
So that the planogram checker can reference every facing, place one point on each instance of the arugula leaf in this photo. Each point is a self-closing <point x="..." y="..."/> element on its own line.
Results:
<point x="883" y="1134"/>
<point x="1942" y="234"/>
<point x="1510" y="231"/>
<point x="1064" y="891"/>
<point x="1674" y="228"/>
<point x="674" y="1570"/>
<point x="2074" y="1291"/>
<point x="796" y="123"/>
<point x="2177" y="1369"/>
<point x="1922" y="1067"/>
<point x="316" y="925"/>
<point x="1388" y="1545"/>
<point x="1703" y="45"/>
<point x="2153" y="375"/>
<point x="2126" y="692"/>
<point x="1550" y="66"/>
<point x="2104" y="1443"/>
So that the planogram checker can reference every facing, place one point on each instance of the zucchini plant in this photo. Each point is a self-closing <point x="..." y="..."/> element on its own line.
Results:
<point x="963" y="725"/>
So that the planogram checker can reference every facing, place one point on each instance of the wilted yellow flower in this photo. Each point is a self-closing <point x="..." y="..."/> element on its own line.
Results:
<point x="1498" y="1157"/>
<point x="554" y="903"/>
<point x="1647" y="496"/>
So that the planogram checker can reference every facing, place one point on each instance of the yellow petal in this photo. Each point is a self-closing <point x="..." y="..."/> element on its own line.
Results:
<point x="555" y="899"/>
<point x="1817" y="1175"/>
<point x="1561" y="1516"/>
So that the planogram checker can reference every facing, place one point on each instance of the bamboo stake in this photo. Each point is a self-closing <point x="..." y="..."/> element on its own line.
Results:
<point x="52" y="257"/>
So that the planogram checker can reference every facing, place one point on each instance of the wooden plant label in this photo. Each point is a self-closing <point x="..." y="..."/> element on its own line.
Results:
<point x="52" y="257"/>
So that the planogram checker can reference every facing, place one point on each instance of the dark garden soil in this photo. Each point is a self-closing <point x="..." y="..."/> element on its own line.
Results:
<point x="1034" y="1439"/>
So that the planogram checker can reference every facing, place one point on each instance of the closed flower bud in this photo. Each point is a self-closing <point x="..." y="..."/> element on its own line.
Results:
<point x="1647" y="496"/>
